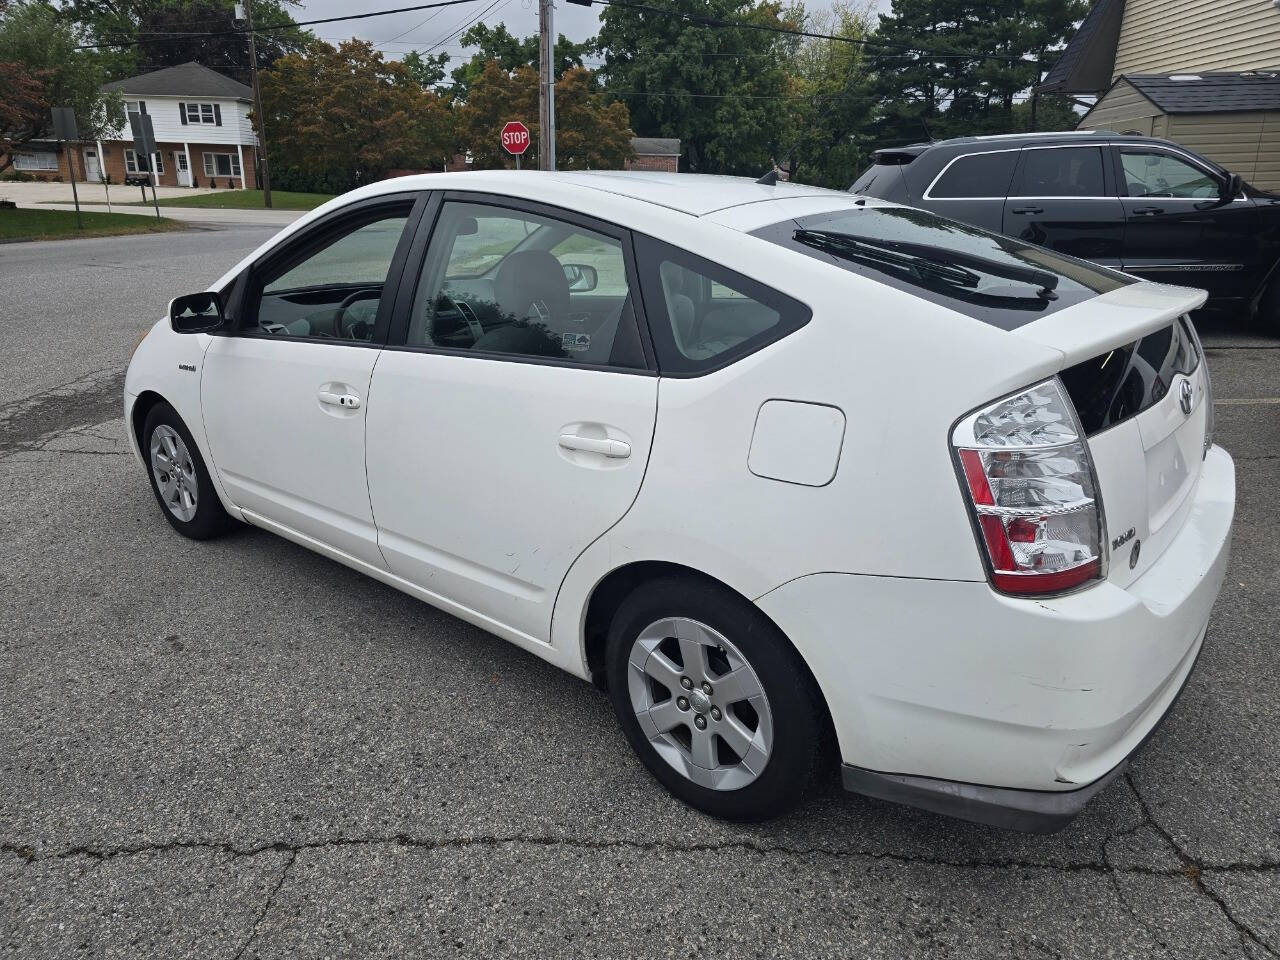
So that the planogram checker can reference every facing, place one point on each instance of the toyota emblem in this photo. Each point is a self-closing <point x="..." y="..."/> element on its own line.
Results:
<point x="1186" y="397"/>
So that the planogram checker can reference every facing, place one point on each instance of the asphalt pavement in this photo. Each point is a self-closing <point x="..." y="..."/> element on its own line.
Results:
<point x="240" y="749"/>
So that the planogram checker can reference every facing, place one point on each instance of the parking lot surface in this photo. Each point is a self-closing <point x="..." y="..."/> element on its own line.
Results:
<point x="241" y="749"/>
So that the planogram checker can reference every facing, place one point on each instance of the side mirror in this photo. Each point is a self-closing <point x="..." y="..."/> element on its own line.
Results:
<point x="1230" y="188"/>
<point x="196" y="313"/>
<point x="582" y="277"/>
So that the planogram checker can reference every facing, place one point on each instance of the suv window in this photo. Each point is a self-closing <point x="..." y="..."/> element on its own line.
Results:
<point x="510" y="282"/>
<point x="1060" y="172"/>
<point x="333" y="293"/>
<point x="704" y="316"/>
<point x="976" y="175"/>
<point x="1154" y="173"/>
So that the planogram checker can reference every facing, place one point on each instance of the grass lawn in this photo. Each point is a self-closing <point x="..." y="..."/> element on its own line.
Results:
<point x="246" y="200"/>
<point x="24" y="224"/>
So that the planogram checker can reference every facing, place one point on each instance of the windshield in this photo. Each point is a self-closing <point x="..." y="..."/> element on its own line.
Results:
<point x="1004" y="278"/>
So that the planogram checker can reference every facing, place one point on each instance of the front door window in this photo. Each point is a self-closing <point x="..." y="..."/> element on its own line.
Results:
<point x="334" y="292"/>
<point x="1154" y="173"/>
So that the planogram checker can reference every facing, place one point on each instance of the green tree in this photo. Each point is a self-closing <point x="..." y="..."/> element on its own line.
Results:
<point x="831" y="103"/>
<point x="426" y="71"/>
<point x="340" y="117"/>
<point x="591" y="132"/>
<point x="723" y="91"/>
<point x="984" y="56"/>
<point x="510" y="52"/>
<point x="40" y="68"/>
<point x="158" y="33"/>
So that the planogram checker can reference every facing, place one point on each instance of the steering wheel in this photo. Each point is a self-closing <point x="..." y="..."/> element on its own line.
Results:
<point x="366" y="293"/>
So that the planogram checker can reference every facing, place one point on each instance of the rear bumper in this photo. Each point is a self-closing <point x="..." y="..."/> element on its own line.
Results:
<point x="936" y="687"/>
<point x="1031" y="811"/>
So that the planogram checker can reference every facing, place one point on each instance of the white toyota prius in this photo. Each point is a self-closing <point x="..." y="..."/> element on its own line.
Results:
<point x="789" y="472"/>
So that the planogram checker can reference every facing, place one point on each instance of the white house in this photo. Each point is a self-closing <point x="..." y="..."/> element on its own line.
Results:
<point x="201" y="122"/>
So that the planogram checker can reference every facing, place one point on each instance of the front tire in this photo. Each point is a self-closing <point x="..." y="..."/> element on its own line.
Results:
<point x="179" y="478"/>
<point x="714" y="699"/>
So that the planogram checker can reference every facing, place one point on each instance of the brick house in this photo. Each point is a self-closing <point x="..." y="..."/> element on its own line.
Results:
<point x="655" y="153"/>
<point x="202" y="129"/>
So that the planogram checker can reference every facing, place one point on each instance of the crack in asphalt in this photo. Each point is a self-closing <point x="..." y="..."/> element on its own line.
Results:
<point x="1100" y="867"/>
<point x="95" y="398"/>
<point x="267" y="904"/>
<point x="1194" y="869"/>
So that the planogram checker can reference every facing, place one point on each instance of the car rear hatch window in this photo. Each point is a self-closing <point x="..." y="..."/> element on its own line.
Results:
<point x="992" y="278"/>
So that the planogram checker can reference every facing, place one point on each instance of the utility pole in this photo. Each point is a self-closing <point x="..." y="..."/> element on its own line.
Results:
<point x="257" y="104"/>
<point x="546" y="87"/>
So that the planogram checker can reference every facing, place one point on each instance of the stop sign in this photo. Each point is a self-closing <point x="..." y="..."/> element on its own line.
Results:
<point x="515" y="137"/>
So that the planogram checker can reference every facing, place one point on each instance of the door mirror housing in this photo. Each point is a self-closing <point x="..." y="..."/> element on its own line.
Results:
<point x="1230" y="188"/>
<point x="196" y="313"/>
<point x="582" y="277"/>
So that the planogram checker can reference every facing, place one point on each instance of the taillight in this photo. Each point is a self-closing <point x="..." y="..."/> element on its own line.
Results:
<point x="1209" y="420"/>
<point x="1030" y="483"/>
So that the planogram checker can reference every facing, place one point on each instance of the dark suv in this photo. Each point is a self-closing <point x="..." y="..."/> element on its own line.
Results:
<point x="1143" y="205"/>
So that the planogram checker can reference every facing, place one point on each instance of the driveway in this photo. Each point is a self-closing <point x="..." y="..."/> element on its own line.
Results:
<point x="240" y="749"/>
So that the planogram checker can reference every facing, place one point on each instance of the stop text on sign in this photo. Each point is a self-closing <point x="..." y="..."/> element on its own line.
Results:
<point x="515" y="137"/>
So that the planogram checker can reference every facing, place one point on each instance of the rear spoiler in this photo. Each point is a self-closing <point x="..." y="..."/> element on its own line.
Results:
<point x="1111" y="320"/>
<point x="898" y="156"/>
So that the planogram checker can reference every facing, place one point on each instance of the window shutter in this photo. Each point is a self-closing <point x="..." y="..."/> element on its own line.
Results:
<point x="217" y="114"/>
<point x="182" y="113"/>
<point x="142" y="106"/>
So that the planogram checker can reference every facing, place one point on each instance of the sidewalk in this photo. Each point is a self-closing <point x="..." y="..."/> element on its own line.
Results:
<point x="265" y="218"/>
<point x="57" y="196"/>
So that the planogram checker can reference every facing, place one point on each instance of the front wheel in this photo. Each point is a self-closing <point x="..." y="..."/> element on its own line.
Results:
<point x="179" y="477"/>
<point x="714" y="699"/>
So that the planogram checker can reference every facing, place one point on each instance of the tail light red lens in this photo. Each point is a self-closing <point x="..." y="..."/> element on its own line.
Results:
<point x="1030" y="484"/>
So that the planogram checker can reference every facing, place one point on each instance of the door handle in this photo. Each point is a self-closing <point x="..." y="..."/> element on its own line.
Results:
<point x="1147" y="211"/>
<point x="1027" y="210"/>
<point x="348" y="400"/>
<point x="615" y="449"/>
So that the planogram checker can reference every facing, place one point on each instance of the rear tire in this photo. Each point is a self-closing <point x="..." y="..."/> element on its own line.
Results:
<point x="744" y="746"/>
<point x="179" y="478"/>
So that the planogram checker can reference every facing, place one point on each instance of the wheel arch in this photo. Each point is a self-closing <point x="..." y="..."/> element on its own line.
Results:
<point x="614" y="587"/>
<point x="143" y="404"/>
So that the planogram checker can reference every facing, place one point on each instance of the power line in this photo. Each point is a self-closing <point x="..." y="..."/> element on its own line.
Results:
<point x="747" y="25"/>
<point x="284" y="26"/>
<point x="688" y="17"/>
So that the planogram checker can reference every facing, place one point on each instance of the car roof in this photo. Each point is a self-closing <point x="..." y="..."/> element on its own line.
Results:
<point x="690" y="193"/>
<point x="1015" y="140"/>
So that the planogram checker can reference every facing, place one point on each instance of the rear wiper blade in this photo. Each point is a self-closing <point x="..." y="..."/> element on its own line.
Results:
<point x="942" y="262"/>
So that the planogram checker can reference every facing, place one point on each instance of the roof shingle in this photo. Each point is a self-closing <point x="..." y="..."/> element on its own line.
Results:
<point x="1252" y="91"/>
<point x="184" y="80"/>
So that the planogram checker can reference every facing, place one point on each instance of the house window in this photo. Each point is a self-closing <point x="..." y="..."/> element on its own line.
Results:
<point x="35" y="161"/>
<point x="221" y="165"/>
<point x="131" y="162"/>
<point x="202" y="113"/>
<point x="136" y="106"/>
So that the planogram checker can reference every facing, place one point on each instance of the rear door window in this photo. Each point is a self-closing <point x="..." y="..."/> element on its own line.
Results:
<point x="976" y="176"/>
<point x="1047" y="172"/>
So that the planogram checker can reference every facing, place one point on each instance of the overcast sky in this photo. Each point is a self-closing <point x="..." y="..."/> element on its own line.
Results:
<point x="440" y="29"/>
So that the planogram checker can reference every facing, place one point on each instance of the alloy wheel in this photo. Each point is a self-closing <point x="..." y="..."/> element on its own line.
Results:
<point x="699" y="703"/>
<point x="175" y="472"/>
